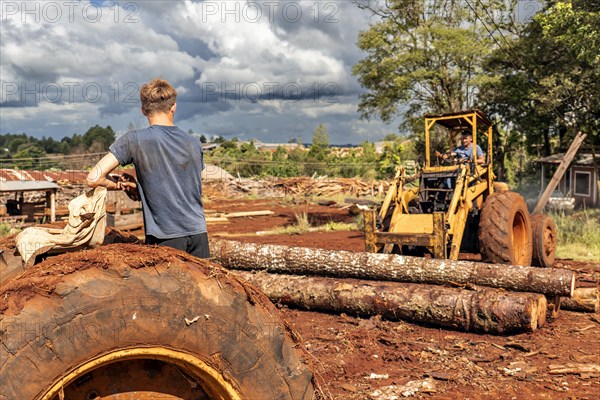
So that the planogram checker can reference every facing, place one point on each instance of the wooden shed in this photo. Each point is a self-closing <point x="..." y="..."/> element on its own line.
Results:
<point x="20" y="187"/>
<point x="580" y="181"/>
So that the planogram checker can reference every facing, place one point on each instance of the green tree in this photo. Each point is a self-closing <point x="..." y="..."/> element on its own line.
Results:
<point x="284" y="163"/>
<point x="574" y="28"/>
<point x="16" y="143"/>
<point x="228" y="145"/>
<point x="547" y="84"/>
<point x="317" y="156"/>
<point x="426" y="56"/>
<point x="320" y="143"/>
<point x="30" y="155"/>
<point x="50" y="145"/>
<point x="101" y="137"/>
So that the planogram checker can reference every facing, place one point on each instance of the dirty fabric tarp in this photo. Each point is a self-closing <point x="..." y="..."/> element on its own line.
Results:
<point x="86" y="226"/>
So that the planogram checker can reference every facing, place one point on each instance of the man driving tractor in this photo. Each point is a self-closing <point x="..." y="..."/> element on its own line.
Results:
<point x="464" y="152"/>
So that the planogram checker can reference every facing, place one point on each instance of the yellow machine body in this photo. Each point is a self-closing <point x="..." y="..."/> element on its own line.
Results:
<point x="434" y="216"/>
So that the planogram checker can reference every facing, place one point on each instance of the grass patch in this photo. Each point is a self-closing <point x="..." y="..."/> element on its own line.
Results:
<point x="578" y="235"/>
<point x="339" y="226"/>
<point x="359" y="222"/>
<point x="303" y="225"/>
<point x="8" y="229"/>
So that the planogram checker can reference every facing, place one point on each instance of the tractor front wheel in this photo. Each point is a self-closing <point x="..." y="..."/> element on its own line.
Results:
<point x="505" y="230"/>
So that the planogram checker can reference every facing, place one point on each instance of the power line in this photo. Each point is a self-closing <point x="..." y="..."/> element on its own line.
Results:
<point x="507" y="51"/>
<point x="493" y="22"/>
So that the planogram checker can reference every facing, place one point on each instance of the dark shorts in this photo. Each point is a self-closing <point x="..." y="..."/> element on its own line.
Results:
<point x="196" y="245"/>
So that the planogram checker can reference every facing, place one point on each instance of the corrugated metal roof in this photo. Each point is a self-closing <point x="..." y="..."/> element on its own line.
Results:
<point x="26" y="186"/>
<point x="211" y="172"/>
<point x="580" y="159"/>
<point x="7" y="174"/>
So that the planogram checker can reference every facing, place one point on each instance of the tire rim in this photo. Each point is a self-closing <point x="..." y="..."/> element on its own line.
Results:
<point x="211" y="380"/>
<point x="549" y="241"/>
<point x="520" y="238"/>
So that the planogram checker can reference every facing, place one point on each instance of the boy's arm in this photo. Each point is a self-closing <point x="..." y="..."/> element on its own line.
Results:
<point x="98" y="176"/>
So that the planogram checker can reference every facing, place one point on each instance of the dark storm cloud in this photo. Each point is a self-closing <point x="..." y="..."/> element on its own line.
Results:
<point x="270" y="75"/>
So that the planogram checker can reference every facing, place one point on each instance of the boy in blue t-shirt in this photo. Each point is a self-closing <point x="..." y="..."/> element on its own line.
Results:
<point x="168" y="164"/>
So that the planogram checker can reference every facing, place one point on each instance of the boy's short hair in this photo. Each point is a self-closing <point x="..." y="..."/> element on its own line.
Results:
<point x="157" y="96"/>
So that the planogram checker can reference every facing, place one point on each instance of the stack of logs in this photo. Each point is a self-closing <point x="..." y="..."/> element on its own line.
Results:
<point x="471" y="296"/>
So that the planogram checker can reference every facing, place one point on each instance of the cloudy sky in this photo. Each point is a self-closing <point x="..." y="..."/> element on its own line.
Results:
<point x="269" y="69"/>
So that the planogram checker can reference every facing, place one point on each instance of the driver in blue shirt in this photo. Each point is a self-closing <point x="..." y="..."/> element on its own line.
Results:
<point x="464" y="152"/>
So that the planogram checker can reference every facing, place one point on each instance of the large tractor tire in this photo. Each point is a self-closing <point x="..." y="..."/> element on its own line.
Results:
<point x="544" y="240"/>
<point x="505" y="230"/>
<point x="127" y="321"/>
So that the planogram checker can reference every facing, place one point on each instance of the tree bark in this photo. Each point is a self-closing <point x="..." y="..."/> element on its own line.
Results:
<point x="583" y="300"/>
<point x="390" y="267"/>
<point x="482" y="310"/>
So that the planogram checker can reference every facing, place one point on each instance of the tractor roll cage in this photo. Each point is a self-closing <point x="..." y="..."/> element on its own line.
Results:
<point x="472" y="120"/>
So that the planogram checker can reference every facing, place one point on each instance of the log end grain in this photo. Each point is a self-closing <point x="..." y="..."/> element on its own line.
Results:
<point x="542" y="307"/>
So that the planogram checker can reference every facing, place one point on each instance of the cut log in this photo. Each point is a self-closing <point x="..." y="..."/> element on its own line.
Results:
<point x="390" y="267"/>
<point x="583" y="300"/>
<point x="242" y="214"/>
<point x="483" y="310"/>
<point x="215" y="220"/>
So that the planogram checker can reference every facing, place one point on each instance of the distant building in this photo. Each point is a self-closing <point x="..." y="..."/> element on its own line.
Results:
<point x="343" y="152"/>
<point x="580" y="181"/>
<point x="209" y="146"/>
<point x="379" y="146"/>
<point x="273" y="146"/>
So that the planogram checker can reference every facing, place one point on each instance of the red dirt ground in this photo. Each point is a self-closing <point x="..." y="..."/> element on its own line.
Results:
<point x="374" y="359"/>
<point x="360" y="358"/>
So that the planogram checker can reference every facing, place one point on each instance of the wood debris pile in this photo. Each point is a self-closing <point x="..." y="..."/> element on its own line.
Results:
<point x="299" y="186"/>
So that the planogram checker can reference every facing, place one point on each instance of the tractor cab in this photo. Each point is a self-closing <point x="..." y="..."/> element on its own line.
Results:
<point x="444" y="166"/>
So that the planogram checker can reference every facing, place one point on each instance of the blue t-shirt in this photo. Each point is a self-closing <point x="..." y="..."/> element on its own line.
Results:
<point x="168" y="164"/>
<point x="463" y="152"/>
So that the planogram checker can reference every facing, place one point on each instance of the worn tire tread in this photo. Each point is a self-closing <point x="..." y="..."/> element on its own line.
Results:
<point x="496" y="224"/>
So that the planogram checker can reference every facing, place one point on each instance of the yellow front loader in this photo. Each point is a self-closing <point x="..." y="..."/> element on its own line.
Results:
<point x="455" y="207"/>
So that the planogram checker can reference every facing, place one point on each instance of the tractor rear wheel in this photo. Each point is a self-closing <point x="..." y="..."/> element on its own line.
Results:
<point x="505" y="230"/>
<point x="544" y="240"/>
<point x="139" y="322"/>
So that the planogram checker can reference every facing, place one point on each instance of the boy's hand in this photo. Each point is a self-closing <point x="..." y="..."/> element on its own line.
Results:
<point x="128" y="184"/>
